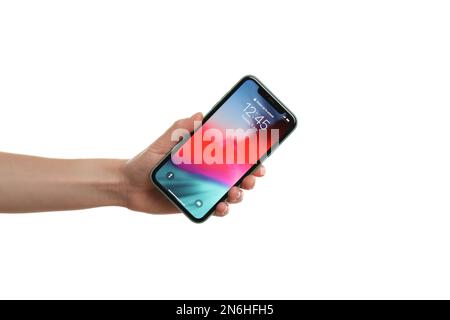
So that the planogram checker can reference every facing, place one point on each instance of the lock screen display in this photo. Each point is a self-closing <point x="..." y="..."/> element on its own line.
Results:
<point x="205" y="166"/>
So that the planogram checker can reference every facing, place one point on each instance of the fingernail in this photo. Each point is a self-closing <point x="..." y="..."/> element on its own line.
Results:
<point x="239" y="194"/>
<point x="263" y="171"/>
<point x="226" y="210"/>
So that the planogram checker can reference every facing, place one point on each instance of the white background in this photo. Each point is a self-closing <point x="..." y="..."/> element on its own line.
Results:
<point x="355" y="204"/>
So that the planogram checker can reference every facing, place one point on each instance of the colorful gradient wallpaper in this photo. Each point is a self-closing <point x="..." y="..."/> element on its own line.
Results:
<point x="198" y="186"/>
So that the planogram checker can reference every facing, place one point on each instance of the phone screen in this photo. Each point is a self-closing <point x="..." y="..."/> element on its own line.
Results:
<point x="238" y="132"/>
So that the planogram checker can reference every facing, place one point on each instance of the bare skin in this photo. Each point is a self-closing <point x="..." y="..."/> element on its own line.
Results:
<point x="35" y="184"/>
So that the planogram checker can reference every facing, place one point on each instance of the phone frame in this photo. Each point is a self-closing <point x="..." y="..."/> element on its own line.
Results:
<point x="273" y="100"/>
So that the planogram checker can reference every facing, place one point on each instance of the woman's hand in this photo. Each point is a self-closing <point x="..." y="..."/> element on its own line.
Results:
<point x="31" y="184"/>
<point x="140" y="194"/>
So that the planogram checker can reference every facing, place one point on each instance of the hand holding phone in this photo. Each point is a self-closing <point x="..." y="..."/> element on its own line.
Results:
<point x="139" y="194"/>
<point x="244" y="127"/>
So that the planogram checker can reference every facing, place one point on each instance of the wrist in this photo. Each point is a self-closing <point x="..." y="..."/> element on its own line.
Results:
<point x="111" y="185"/>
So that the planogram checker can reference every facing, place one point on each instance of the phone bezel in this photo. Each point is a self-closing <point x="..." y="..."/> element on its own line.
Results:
<point x="279" y="104"/>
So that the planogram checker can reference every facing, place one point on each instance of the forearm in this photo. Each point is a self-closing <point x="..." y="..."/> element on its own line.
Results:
<point x="29" y="184"/>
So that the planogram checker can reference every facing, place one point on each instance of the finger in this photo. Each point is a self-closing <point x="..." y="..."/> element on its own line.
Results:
<point x="248" y="183"/>
<point x="260" y="171"/>
<point x="178" y="129"/>
<point x="221" y="209"/>
<point x="235" y="195"/>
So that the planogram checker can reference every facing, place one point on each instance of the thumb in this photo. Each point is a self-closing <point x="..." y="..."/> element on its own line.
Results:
<point x="166" y="142"/>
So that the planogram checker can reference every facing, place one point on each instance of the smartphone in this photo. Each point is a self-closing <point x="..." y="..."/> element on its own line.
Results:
<point x="239" y="132"/>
